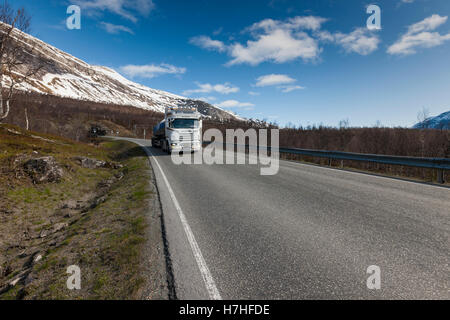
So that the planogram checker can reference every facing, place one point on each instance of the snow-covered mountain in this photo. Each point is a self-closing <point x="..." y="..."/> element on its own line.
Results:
<point x="66" y="76"/>
<point x="441" y="121"/>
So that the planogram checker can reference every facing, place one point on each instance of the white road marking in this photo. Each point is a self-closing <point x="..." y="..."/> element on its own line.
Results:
<point x="204" y="270"/>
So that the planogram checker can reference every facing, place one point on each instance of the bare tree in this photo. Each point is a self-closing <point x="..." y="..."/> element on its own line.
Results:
<point x="422" y="117"/>
<point x="27" y="122"/>
<point x="14" y="67"/>
<point x="378" y="124"/>
<point x="344" y="124"/>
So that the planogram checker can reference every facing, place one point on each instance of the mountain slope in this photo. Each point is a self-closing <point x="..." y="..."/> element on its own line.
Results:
<point x="66" y="76"/>
<point x="441" y="121"/>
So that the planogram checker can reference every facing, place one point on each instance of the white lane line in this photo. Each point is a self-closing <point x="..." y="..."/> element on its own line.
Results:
<point x="204" y="270"/>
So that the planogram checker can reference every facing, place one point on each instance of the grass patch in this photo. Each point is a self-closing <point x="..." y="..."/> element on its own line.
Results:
<point x="105" y="239"/>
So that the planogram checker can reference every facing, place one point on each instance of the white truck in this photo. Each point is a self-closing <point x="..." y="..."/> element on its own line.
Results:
<point x="180" y="131"/>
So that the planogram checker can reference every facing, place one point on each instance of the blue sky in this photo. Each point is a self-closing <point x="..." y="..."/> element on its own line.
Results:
<point x="304" y="62"/>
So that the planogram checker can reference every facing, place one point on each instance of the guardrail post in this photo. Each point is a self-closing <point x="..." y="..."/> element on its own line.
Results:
<point x="440" y="176"/>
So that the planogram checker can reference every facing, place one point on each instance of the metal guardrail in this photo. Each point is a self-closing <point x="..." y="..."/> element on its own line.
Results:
<point x="440" y="164"/>
<point x="432" y="163"/>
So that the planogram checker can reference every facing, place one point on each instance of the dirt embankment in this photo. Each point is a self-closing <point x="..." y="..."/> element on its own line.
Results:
<point x="64" y="203"/>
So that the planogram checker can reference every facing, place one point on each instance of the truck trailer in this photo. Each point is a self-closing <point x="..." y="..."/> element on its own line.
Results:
<point x="180" y="131"/>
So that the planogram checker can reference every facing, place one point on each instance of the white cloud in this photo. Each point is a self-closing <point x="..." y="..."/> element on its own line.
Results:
<point x="419" y="36"/>
<point x="253" y="93"/>
<point x="282" y="81"/>
<point x="296" y="23"/>
<point x="281" y="41"/>
<point x="218" y="31"/>
<point x="408" y="43"/>
<point x="407" y="1"/>
<point x="115" y="29"/>
<point x="287" y="89"/>
<point x="278" y="41"/>
<point x="309" y="22"/>
<point x="362" y="40"/>
<point x="128" y="9"/>
<point x="427" y="24"/>
<point x="235" y="104"/>
<point x="325" y="36"/>
<point x="150" y="71"/>
<point x="225" y="88"/>
<point x="273" y="79"/>
<point x="206" y="42"/>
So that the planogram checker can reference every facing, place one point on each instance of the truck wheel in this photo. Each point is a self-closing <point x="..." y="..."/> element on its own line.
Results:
<point x="165" y="146"/>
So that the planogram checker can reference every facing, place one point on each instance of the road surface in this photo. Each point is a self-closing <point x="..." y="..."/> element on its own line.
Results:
<point x="308" y="232"/>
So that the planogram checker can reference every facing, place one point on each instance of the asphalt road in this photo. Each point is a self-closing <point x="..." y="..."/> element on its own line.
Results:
<point x="308" y="232"/>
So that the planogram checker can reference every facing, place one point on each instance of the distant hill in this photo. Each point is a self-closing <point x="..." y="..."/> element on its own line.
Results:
<point x="66" y="76"/>
<point x="441" y="121"/>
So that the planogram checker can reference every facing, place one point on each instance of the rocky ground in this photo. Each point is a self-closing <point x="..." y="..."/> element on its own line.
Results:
<point x="64" y="203"/>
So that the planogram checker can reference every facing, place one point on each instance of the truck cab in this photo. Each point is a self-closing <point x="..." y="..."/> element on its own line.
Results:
<point x="180" y="131"/>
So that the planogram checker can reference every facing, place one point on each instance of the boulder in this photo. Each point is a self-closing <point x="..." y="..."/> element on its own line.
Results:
<point x="43" y="170"/>
<point x="44" y="233"/>
<point x="90" y="163"/>
<point x="56" y="228"/>
<point x="59" y="226"/>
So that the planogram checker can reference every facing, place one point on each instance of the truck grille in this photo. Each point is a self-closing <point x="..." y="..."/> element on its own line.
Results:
<point x="186" y="137"/>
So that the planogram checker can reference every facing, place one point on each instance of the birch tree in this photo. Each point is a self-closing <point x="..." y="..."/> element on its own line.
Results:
<point x="17" y="61"/>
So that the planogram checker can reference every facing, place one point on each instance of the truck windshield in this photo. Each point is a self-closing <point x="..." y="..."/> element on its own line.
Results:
<point x="184" y="123"/>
